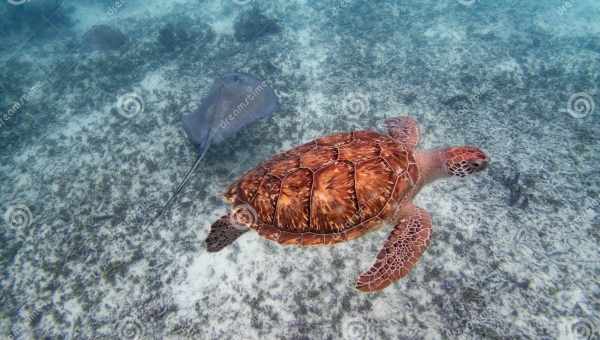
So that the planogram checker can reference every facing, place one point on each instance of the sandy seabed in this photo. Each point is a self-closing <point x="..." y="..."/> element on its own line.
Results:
<point x="514" y="252"/>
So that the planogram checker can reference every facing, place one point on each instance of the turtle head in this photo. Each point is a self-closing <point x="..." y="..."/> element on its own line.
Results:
<point x="450" y="162"/>
<point x="464" y="160"/>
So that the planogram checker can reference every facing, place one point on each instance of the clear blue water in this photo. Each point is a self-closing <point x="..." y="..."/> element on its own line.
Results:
<point x="92" y="145"/>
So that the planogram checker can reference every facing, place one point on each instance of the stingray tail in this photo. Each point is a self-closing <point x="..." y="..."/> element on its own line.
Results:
<point x="181" y="185"/>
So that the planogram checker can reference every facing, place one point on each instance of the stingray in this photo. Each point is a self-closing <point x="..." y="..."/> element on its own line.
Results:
<point x="234" y="101"/>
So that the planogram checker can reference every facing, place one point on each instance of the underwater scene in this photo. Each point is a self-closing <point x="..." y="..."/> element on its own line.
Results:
<point x="300" y="169"/>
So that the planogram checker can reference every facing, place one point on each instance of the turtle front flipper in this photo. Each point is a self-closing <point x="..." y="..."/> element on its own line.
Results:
<point x="401" y="251"/>
<point x="404" y="129"/>
<point x="222" y="233"/>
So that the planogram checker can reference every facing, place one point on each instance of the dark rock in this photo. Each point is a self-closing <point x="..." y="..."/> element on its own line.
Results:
<point x="409" y="98"/>
<point x="252" y="25"/>
<point x="174" y="36"/>
<point x="103" y="38"/>
<point x="459" y="103"/>
<point x="171" y="36"/>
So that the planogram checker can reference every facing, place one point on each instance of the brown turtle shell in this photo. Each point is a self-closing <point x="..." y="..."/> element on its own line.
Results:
<point x="333" y="189"/>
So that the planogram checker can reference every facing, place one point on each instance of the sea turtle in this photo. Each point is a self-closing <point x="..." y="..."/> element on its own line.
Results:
<point x="337" y="188"/>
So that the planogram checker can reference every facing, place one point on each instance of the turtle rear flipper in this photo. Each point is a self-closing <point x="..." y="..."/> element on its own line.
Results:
<point x="222" y="233"/>
<point x="404" y="129"/>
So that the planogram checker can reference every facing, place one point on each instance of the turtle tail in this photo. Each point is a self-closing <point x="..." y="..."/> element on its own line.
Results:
<point x="222" y="233"/>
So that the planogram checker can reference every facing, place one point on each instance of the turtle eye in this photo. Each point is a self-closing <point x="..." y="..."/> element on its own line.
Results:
<point x="479" y="164"/>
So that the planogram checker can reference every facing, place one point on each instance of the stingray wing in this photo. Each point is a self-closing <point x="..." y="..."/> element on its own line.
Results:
<point x="235" y="101"/>
<point x="197" y="125"/>
<point x="245" y="100"/>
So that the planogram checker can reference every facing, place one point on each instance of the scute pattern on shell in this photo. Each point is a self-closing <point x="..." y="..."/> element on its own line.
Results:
<point x="330" y="190"/>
